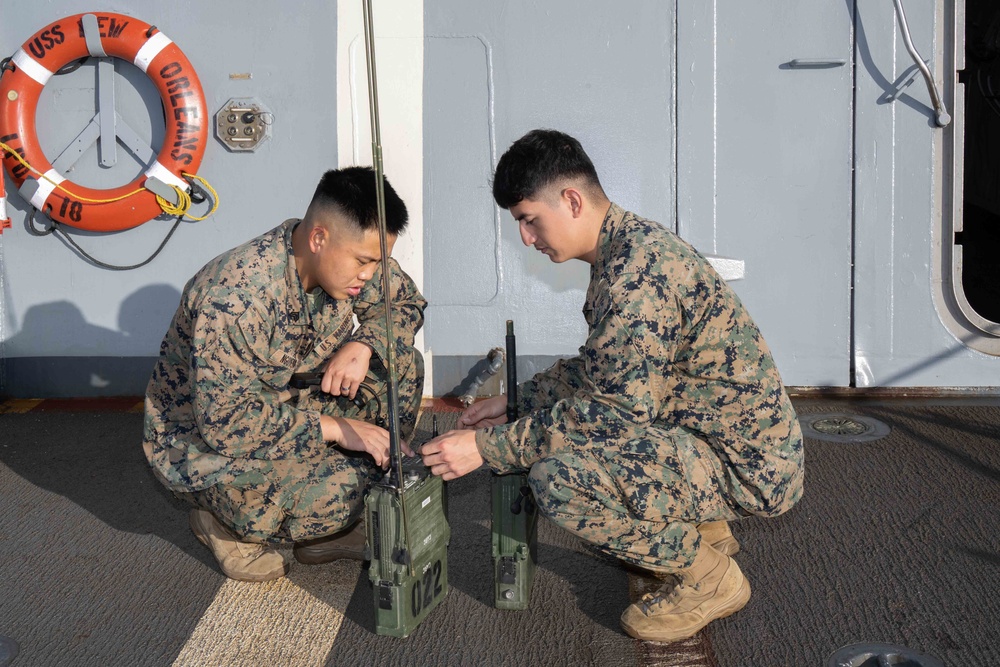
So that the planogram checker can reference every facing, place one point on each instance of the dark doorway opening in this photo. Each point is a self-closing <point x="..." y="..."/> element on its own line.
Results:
<point x="980" y="238"/>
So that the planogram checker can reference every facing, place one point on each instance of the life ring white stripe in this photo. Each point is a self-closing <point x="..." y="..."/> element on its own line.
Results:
<point x="146" y="48"/>
<point x="45" y="187"/>
<point x="151" y="49"/>
<point x="157" y="170"/>
<point x="3" y="208"/>
<point x="32" y="67"/>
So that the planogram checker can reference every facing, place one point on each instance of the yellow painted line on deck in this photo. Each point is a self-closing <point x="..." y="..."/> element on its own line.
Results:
<point x="17" y="406"/>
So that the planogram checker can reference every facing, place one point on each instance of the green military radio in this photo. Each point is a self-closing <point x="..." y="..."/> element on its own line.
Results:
<point x="406" y="520"/>
<point x="408" y="534"/>
<point x="515" y="516"/>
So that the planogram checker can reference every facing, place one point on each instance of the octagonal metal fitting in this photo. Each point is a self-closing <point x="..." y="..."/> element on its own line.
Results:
<point x="842" y="427"/>
<point x="874" y="654"/>
<point x="243" y="124"/>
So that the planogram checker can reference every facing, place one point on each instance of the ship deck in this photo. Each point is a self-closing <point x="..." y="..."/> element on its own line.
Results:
<point x="896" y="540"/>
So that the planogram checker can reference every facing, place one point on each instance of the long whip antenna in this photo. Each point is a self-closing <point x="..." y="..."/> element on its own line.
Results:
<point x="395" y="452"/>
<point x="390" y="347"/>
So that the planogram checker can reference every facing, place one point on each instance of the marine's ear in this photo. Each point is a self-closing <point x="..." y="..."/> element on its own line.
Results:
<point x="574" y="199"/>
<point x="319" y="236"/>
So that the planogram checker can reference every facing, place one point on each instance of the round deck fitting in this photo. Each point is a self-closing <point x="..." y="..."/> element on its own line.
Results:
<point x="8" y="650"/>
<point x="881" y="655"/>
<point x="842" y="427"/>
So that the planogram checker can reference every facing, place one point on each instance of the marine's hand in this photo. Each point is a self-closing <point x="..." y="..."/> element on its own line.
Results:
<point x="490" y="412"/>
<point x="358" y="436"/>
<point x="347" y="369"/>
<point x="452" y="455"/>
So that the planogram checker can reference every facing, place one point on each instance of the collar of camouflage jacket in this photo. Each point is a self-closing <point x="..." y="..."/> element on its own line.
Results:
<point x="298" y="309"/>
<point x="610" y="226"/>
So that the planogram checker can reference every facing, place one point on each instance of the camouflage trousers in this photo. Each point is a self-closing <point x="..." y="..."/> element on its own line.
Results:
<point x="295" y="500"/>
<point x="638" y="500"/>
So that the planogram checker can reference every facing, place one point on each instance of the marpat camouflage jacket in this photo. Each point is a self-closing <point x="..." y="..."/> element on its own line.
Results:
<point x="669" y="344"/>
<point x="243" y="327"/>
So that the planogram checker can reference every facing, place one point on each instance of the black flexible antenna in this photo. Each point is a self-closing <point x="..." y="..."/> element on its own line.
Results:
<point x="511" y="374"/>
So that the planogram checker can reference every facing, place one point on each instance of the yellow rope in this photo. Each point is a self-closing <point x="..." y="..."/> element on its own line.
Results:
<point x="180" y="208"/>
<point x="211" y="191"/>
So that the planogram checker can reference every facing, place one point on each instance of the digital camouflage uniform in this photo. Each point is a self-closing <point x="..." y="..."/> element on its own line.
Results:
<point x="672" y="414"/>
<point x="223" y="431"/>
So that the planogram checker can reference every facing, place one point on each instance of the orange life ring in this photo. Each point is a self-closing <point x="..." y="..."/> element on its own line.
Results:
<point x="154" y="53"/>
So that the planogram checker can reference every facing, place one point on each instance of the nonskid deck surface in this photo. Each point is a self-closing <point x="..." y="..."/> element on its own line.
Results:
<point x="896" y="540"/>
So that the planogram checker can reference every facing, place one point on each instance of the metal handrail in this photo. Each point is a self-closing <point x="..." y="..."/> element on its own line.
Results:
<point x="941" y="115"/>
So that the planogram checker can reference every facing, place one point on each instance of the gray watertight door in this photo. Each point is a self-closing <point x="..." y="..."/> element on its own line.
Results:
<point x="764" y="157"/>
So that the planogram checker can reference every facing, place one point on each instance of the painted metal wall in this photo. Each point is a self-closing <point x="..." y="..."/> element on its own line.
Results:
<point x="69" y="328"/>
<point x="789" y="155"/>
<point x="697" y="114"/>
<point x="600" y="71"/>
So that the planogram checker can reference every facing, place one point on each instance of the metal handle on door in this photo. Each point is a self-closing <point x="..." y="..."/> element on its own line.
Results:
<point x="816" y="63"/>
<point x="941" y="116"/>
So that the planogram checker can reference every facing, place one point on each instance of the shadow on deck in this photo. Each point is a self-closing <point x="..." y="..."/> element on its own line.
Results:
<point x="896" y="540"/>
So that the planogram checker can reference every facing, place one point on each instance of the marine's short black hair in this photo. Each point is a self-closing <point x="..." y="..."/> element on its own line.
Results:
<point x="536" y="160"/>
<point x="351" y="191"/>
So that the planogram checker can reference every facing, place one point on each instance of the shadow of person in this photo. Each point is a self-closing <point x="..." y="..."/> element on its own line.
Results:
<point x="144" y="317"/>
<point x="48" y="356"/>
<point x="599" y="585"/>
<point x="93" y="457"/>
<point x="95" y="460"/>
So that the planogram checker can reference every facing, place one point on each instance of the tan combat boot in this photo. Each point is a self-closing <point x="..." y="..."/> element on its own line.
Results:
<point x="717" y="534"/>
<point x="713" y="587"/>
<point x="348" y="543"/>
<point x="245" y="561"/>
